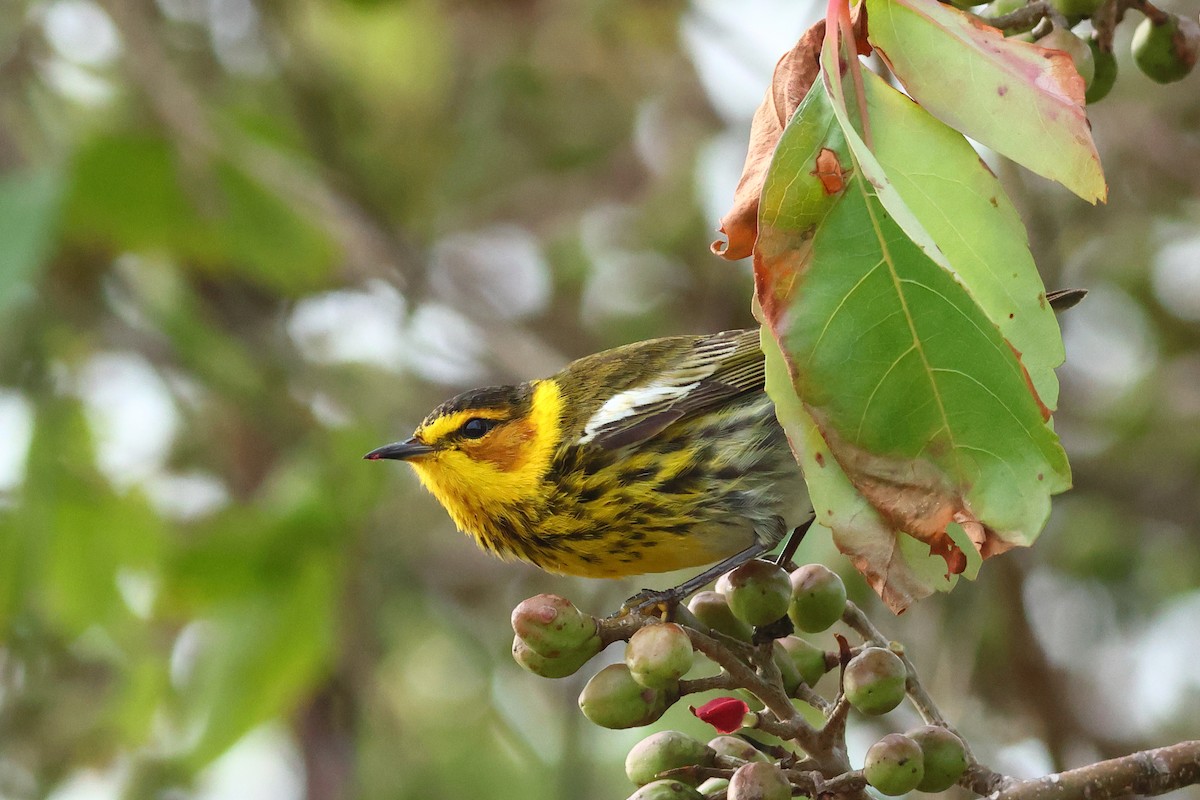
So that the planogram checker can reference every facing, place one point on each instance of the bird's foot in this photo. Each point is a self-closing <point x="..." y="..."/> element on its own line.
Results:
<point x="776" y="630"/>
<point x="659" y="603"/>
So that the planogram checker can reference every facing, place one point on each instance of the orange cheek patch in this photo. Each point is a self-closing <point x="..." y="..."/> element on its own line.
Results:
<point x="507" y="447"/>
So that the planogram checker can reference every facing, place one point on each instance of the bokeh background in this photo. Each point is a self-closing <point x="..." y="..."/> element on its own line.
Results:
<point x="242" y="242"/>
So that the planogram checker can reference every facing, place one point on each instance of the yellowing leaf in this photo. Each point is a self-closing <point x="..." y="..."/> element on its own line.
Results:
<point x="1019" y="99"/>
<point x="939" y="177"/>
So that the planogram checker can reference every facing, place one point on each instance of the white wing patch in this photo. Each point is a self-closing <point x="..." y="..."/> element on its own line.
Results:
<point x="662" y="393"/>
<point x="632" y="402"/>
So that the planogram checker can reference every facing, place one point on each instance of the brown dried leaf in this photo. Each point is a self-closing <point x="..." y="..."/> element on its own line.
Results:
<point x="794" y="75"/>
<point x="909" y="498"/>
<point x="875" y="551"/>
<point x="910" y="495"/>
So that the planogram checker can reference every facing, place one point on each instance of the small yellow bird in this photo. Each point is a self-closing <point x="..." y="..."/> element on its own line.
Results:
<point x="655" y="456"/>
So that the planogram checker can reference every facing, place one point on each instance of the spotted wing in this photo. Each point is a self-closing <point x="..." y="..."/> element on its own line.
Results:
<point x="718" y="368"/>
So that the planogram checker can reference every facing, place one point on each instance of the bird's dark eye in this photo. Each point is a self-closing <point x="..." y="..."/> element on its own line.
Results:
<point x="476" y="427"/>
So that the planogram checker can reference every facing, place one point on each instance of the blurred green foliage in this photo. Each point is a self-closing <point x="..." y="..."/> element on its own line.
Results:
<point x="247" y="241"/>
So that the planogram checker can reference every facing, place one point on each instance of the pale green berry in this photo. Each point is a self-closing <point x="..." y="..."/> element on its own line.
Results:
<point x="944" y="757"/>
<point x="874" y="681"/>
<point x="613" y="699"/>
<point x="894" y="765"/>
<point x="659" y="655"/>
<point x="818" y="598"/>
<point x="758" y="592"/>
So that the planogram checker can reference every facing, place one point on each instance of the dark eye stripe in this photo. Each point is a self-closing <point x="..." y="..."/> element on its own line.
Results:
<point x="477" y="427"/>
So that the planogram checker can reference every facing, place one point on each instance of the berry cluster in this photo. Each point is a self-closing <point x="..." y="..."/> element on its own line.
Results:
<point x="744" y="627"/>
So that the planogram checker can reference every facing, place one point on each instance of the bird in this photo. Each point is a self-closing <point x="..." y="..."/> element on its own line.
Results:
<point x="656" y="456"/>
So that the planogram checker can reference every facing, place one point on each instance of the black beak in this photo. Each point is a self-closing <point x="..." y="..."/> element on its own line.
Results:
<point x="400" y="451"/>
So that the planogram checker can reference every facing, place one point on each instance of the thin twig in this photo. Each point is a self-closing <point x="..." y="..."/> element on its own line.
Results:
<point x="615" y="629"/>
<point x="1023" y="19"/>
<point x="814" y="783"/>
<point x="805" y="694"/>
<point x="1152" y="12"/>
<point x="793" y="726"/>
<point x="698" y="773"/>
<point x="983" y="781"/>
<point x="858" y="621"/>
<point x="769" y="723"/>
<point x="697" y="685"/>
<point x="920" y="698"/>
<point x="834" y="732"/>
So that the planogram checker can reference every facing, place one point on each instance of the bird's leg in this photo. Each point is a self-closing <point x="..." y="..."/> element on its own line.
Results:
<point x="665" y="600"/>
<point x="648" y="600"/>
<point x="783" y="626"/>
<point x="793" y="542"/>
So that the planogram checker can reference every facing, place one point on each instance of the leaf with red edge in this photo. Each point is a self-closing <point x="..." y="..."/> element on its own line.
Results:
<point x="900" y="568"/>
<point x="911" y="390"/>
<point x="929" y="170"/>
<point x="1021" y="100"/>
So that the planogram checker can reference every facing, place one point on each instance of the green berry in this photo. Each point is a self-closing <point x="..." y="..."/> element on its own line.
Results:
<point x="712" y="786"/>
<point x="818" y="598"/>
<point x="753" y="702"/>
<point x="736" y="747"/>
<point x="944" y="757"/>
<point x="613" y="699"/>
<point x="551" y="626"/>
<point x="874" y="681"/>
<point x="1075" y="10"/>
<point x="758" y="780"/>
<point x="787" y="669"/>
<point x="659" y="655"/>
<point x="758" y="592"/>
<point x="1106" y="73"/>
<point x="662" y="751"/>
<point x="1168" y="50"/>
<point x="894" y="765"/>
<point x="568" y="663"/>
<point x="999" y="8"/>
<point x="808" y="659"/>
<point x="712" y="609"/>
<point x="1081" y="55"/>
<point x="666" y="790"/>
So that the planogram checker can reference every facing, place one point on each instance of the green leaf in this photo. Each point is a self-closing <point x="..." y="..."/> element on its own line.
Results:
<point x="29" y="215"/>
<point x="71" y="535"/>
<point x="1021" y="100"/>
<point x="134" y="193"/>
<point x="898" y="567"/>
<point x="938" y="176"/>
<point x="918" y="397"/>
<point x="265" y="653"/>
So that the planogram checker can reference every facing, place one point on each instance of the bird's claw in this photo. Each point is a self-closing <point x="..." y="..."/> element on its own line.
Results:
<point x="776" y="630"/>
<point x="652" y="603"/>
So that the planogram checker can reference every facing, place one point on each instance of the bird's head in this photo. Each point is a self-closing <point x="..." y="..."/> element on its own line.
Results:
<point x="485" y="449"/>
